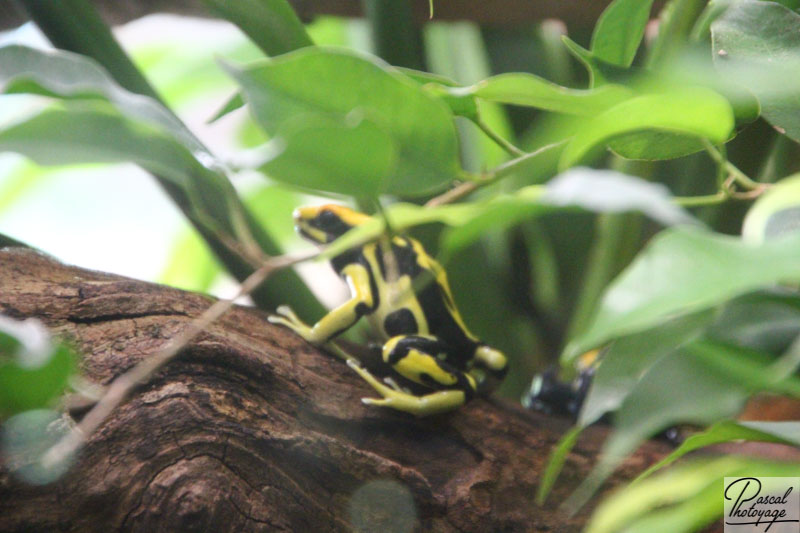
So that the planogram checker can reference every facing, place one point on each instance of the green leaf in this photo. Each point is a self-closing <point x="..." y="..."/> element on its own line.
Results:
<point x="337" y="83"/>
<point x="600" y="72"/>
<point x="337" y="158"/>
<point x="601" y="191"/>
<point x="93" y="132"/>
<point x="33" y="371"/>
<point x="23" y="388"/>
<point x="751" y="369"/>
<point x="495" y="215"/>
<point x="681" y="387"/>
<point x="681" y="500"/>
<point x="463" y="105"/>
<point x="532" y="91"/>
<point x="71" y="76"/>
<point x="232" y="104"/>
<point x="619" y="31"/>
<point x="767" y="321"/>
<point x="555" y="463"/>
<point x="629" y="358"/>
<point x="608" y="191"/>
<point x="700" y="383"/>
<point x="729" y="431"/>
<point x="208" y="199"/>
<point x="695" y="113"/>
<point x="776" y="212"/>
<point x="459" y="52"/>
<point x="685" y="270"/>
<point x="654" y="145"/>
<point x="758" y="45"/>
<point x="98" y="134"/>
<point x="788" y="432"/>
<point x="271" y="24"/>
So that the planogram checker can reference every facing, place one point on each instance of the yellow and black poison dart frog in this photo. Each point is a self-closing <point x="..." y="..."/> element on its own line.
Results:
<point x="425" y="339"/>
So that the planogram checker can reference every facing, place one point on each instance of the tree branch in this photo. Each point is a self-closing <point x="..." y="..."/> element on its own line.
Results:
<point x="251" y="428"/>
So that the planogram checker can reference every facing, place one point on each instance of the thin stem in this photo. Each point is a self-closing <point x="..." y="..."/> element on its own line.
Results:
<point x="503" y="143"/>
<point x="451" y="195"/>
<point x="474" y="181"/>
<point x="121" y="387"/>
<point x="739" y="177"/>
<point x="699" y="201"/>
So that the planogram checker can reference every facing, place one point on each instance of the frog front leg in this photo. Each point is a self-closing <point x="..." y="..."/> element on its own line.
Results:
<point x="429" y="404"/>
<point x="415" y="357"/>
<point x="337" y="320"/>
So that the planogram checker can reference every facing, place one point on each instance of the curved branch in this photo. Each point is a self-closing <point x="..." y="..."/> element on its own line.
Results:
<point x="252" y="429"/>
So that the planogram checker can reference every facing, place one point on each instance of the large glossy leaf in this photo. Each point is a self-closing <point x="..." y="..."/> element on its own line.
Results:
<point x="652" y="125"/>
<point x="599" y="191"/>
<point x="768" y="321"/>
<point x="98" y="135"/>
<point x="461" y="104"/>
<point x="600" y="72"/>
<point x="730" y="431"/>
<point x="337" y="158"/>
<point x="71" y="76"/>
<point x="338" y="83"/>
<point x="758" y="44"/>
<point x="532" y="91"/>
<point x="700" y="383"/>
<point x="685" y="270"/>
<point x="629" y="358"/>
<point x="593" y="190"/>
<point x="271" y="24"/>
<point x="619" y="31"/>
<point x="681" y="500"/>
<point x="608" y="191"/>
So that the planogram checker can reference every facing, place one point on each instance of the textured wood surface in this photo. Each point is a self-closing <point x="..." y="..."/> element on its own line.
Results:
<point x="252" y="429"/>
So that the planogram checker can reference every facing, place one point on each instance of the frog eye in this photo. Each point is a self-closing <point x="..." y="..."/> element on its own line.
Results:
<point x="330" y="222"/>
<point x="327" y="219"/>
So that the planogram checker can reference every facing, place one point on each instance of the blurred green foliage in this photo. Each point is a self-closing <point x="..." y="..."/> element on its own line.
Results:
<point x="642" y="258"/>
<point x="34" y="370"/>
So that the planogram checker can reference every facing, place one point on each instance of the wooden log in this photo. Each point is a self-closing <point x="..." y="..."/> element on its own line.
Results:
<point x="253" y="429"/>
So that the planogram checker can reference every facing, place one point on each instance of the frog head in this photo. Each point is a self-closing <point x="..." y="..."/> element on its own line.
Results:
<point x="324" y="223"/>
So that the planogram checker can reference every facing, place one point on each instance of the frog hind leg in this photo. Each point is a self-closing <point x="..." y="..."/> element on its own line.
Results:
<point x="415" y="357"/>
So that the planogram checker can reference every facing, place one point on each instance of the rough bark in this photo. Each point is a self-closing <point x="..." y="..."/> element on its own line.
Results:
<point x="252" y="429"/>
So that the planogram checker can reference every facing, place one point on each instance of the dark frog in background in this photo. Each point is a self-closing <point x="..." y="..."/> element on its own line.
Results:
<point x="404" y="293"/>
